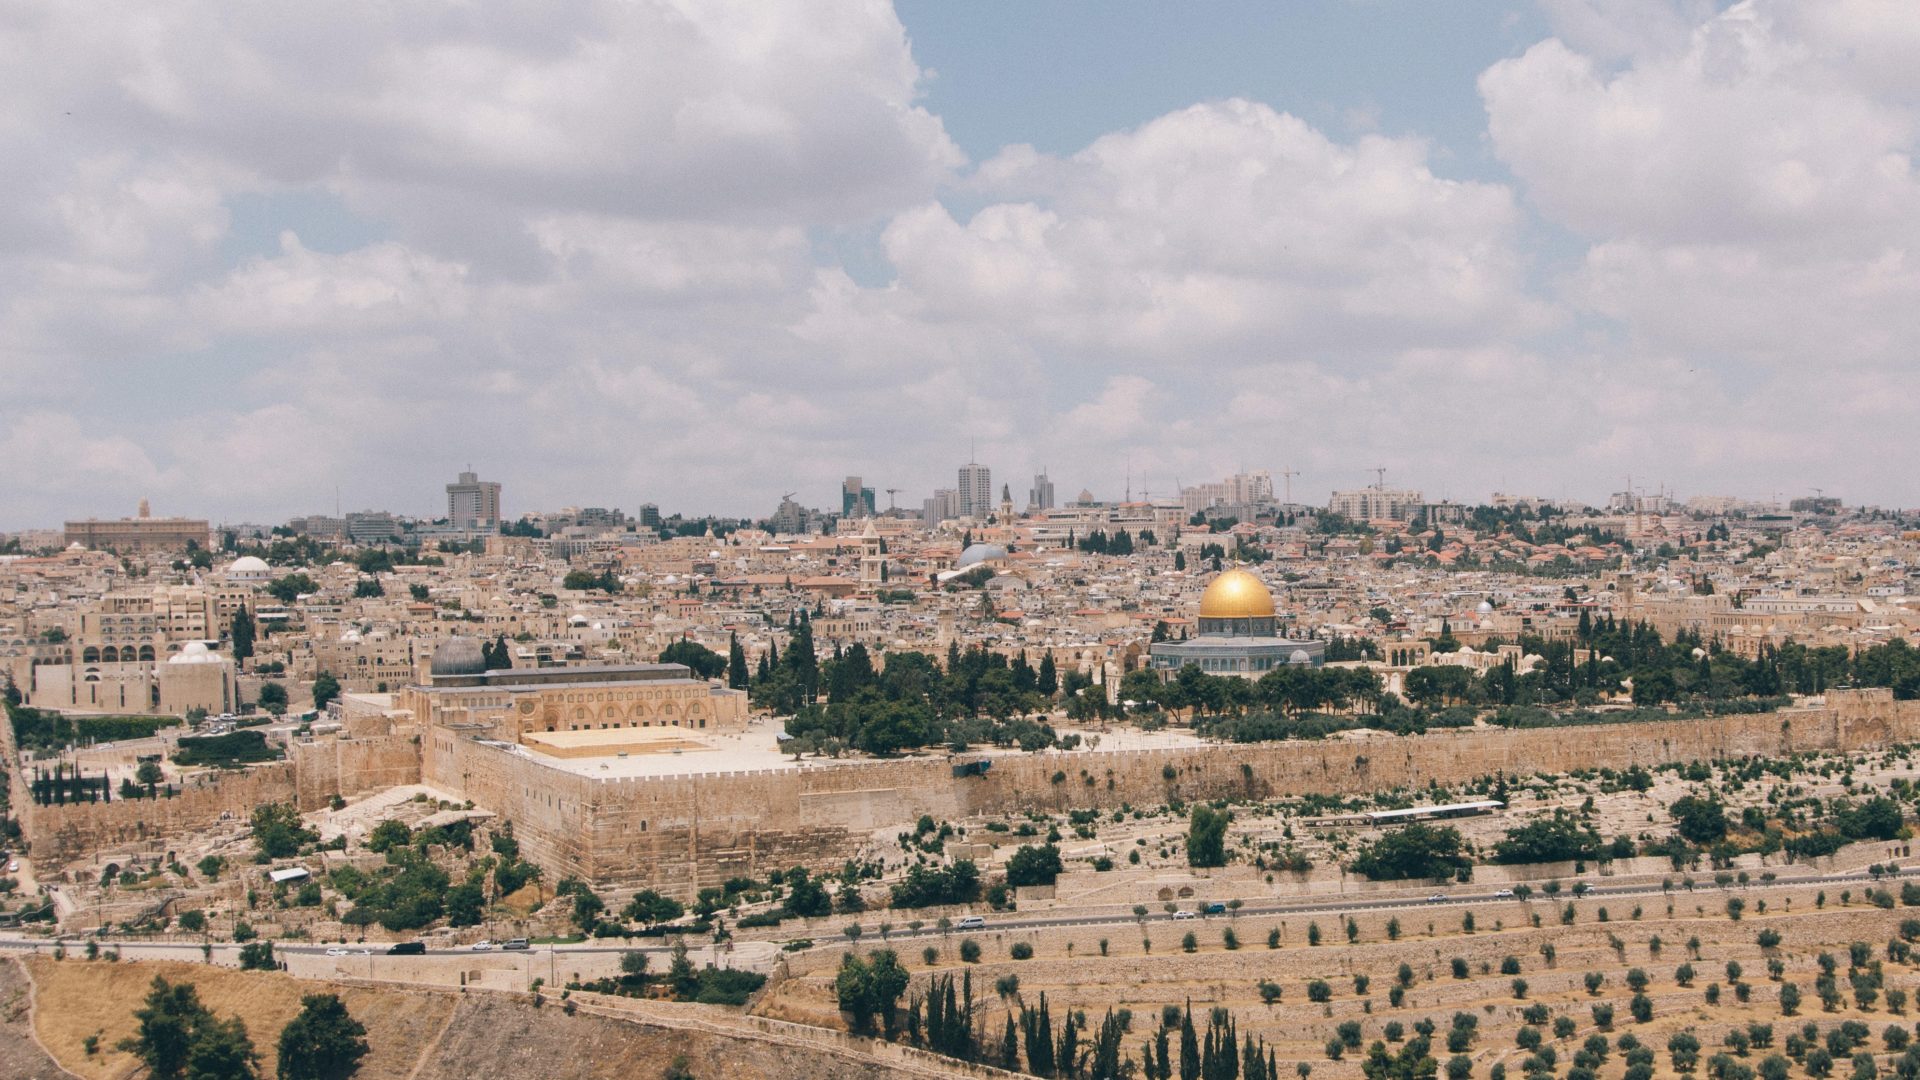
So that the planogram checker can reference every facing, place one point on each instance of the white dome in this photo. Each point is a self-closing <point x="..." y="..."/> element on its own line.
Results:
<point x="195" y="652"/>
<point x="1299" y="656"/>
<point x="1485" y="608"/>
<point x="249" y="566"/>
<point x="978" y="554"/>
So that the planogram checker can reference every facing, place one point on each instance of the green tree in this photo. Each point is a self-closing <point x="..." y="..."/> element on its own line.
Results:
<point x="737" y="678"/>
<point x="240" y="632"/>
<point x="222" y="1051"/>
<point x="1416" y="850"/>
<point x="650" y="907"/>
<point x="368" y="589"/>
<point x="1207" y="836"/>
<point x="325" y="689"/>
<point x="273" y="698"/>
<point x="323" y="1042"/>
<point x="704" y="662"/>
<point x="276" y="831"/>
<point x="1034" y="865"/>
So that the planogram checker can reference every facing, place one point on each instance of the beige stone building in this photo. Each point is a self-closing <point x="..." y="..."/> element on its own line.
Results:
<point x="506" y="704"/>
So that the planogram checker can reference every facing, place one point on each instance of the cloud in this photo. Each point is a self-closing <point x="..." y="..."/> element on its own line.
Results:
<point x="1747" y="191"/>
<point x="702" y="254"/>
<point x="1225" y="231"/>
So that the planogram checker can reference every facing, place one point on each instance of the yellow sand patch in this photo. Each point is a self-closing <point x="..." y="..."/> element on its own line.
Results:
<point x="78" y="998"/>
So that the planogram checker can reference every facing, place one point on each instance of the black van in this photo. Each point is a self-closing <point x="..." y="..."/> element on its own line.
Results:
<point x="407" y="948"/>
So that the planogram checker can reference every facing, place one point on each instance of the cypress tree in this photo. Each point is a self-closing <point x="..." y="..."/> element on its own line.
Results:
<point x="736" y="663"/>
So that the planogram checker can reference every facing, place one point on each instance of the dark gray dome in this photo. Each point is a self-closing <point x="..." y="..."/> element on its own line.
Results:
<point x="459" y="656"/>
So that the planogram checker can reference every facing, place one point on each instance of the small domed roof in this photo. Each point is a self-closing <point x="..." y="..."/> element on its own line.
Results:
<point x="249" y="564"/>
<point x="1236" y="594"/>
<point x="194" y="652"/>
<point x="1299" y="656"/>
<point x="978" y="554"/>
<point x="459" y="656"/>
<point x="1486" y="607"/>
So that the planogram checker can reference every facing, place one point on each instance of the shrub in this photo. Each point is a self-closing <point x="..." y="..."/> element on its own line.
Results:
<point x="1021" y="951"/>
<point x="1318" y="991"/>
<point x="970" y="951"/>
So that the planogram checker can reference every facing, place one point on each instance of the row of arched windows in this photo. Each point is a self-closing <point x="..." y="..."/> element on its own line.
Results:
<point x="113" y="655"/>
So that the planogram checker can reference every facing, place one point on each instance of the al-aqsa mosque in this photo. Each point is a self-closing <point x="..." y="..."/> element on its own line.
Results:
<point x="1238" y="634"/>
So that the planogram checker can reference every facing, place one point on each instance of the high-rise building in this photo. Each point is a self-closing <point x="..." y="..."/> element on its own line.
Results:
<point x="650" y="515"/>
<point x="371" y="527"/>
<point x="473" y="503"/>
<point x="855" y="500"/>
<point x="944" y="506"/>
<point x="1376" y="504"/>
<point x="976" y="490"/>
<point x="1041" y="496"/>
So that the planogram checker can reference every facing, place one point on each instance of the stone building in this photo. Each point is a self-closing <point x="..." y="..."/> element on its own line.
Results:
<point x="1238" y="634"/>
<point x="507" y="703"/>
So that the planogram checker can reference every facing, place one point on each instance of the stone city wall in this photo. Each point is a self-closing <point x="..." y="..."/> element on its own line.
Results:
<point x="63" y="833"/>
<point x="326" y="767"/>
<point x="679" y="833"/>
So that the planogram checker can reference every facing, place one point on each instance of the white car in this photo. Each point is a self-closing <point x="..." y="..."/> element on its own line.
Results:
<point x="339" y="951"/>
<point x="13" y="866"/>
<point x="1437" y="898"/>
<point x="1503" y="894"/>
<point x="481" y="946"/>
<point x="1184" y="915"/>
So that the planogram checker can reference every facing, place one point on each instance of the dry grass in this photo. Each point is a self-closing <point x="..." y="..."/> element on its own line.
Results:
<point x="78" y="998"/>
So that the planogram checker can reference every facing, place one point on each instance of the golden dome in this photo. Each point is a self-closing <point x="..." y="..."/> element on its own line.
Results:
<point x="1236" y="594"/>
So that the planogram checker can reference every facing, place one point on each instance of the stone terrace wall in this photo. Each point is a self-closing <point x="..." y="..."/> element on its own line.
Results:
<point x="327" y="767"/>
<point x="678" y="833"/>
<point x="61" y="834"/>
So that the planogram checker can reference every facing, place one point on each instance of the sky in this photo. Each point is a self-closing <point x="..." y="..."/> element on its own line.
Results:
<point x="264" y="261"/>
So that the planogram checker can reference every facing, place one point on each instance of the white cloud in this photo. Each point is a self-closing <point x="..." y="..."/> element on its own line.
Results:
<point x="1749" y="193"/>
<point x="606" y="268"/>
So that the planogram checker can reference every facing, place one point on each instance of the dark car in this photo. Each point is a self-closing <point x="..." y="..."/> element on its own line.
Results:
<point x="1215" y="908"/>
<point x="407" y="948"/>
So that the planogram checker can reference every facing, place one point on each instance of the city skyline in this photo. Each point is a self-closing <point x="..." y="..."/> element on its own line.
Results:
<point x="1524" y="247"/>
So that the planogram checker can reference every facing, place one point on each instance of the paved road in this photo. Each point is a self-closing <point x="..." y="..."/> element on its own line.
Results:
<point x="1331" y="907"/>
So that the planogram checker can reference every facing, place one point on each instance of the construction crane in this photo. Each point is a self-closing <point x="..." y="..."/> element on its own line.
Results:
<point x="891" y="492"/>
<point x="1289" y="474"/>
<point x="1381" y="472"/>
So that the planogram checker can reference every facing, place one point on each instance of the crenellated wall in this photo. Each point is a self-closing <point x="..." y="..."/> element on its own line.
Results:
<point x="678" y="833"/>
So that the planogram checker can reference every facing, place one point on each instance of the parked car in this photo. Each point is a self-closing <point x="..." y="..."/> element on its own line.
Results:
<point x="407" y="948"/>
<point x="1503" y="894"/>
<point x="339" y="950"/>
<point x="516" y="944"/>
<point x="1214" y="908"/>
<point x="1185" y="915"/>
<point x="481" y="946"/>
<point x="1437" y="898"/>
<point x="971" y="922"/>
